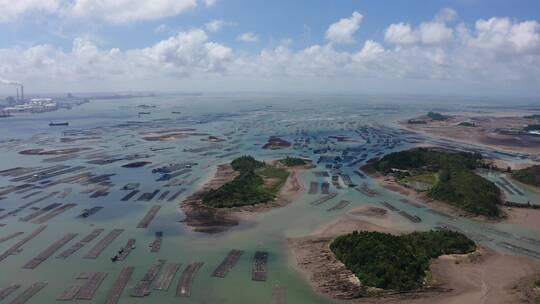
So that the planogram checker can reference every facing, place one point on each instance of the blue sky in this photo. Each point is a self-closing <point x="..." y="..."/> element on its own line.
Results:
<point x="435" y="46"/>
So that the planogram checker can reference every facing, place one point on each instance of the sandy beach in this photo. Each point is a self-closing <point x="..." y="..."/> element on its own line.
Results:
<point x="489" y="131"/>
<point x="484" y="276"/>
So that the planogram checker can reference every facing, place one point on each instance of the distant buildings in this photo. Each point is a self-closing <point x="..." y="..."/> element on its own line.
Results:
<point x="33" y="105"/>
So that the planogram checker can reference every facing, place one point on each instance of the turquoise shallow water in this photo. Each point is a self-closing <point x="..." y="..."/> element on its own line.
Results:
<point x="246" y="122"/>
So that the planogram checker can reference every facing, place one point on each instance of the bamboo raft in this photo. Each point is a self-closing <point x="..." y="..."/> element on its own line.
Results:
<point x="389" y="206"/>
<point x="228" y="263"/>
<point x="163" y="195"/>
<point x="53" y="213"/>
<point x="176" y="195"/>
<point x="156" y="244"/>
<point x="165" y="279"/>
<point x="258" y="270"/>
<point x="313" y="188"/>
<point x="39" y="212"/>
<point x="364" y="189"/>
<point x="410" y="217"/>
<point x="323" y="199"/>
<point x="325" y="188"/>
<point x="88" y="212"/>
<point x="5" y="292"/>
<point x="118" y="287"/>
<point x="16" y="248"/>
<point x="128" y="196"/>
<point x="142" y="289"/>
<point x="11" y="236"/>
<point x="511" y="186"/>
<point x="103" y="243"/>
<point x="126" y="250"/>
<point x="75" y="247"/>
<point x="277" y="295"/>
<point x="342" y="204"/>
<point x="49" y="251"/>
<point x="148" y="196"/>
<point x="148" y="217"/>
<point x="414" y="204"/>
<point x="185" y="284"/>
<point x="28" y="293"/>
<point x="89" y="288"/>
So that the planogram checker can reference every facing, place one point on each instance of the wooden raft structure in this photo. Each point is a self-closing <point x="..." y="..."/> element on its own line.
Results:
<point x="118" y="287"/>
<point x="165" y="279"/>
<point x="49" y="251"/>
<point x="142" y="289"/>
<point x="16" y="248"/>
<point x="228" y="263"/>
<point x="258" y="270"/>
<point x="103" y="243"/>
<point x="185" y="284"/>
<point x="75" y="247"/>
<point x="149" y="217"/>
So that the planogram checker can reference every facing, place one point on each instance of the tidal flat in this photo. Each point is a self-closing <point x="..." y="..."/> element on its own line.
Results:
<point x="114" y="175"/>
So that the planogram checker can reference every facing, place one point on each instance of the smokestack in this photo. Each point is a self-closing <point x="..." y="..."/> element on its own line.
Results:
<point x="17" y="94"/>
<point x="22" y="92"/>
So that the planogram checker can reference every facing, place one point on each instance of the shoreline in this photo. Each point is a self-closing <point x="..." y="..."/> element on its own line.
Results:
<point x="484" y="276"/>
<point x="442" y="130"/>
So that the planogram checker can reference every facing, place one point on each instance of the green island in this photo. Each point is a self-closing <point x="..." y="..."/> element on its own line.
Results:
<point x="394" y="262"/>
<point x="467" y="124"/>
<point x="530" y="128"/>
<point x="534" y="116"/>
<point x="529" y="176"/>
<point x="446" y="176"/>
<point x="437" y="116"/>
<point x="293" y="161"/>
<point x="256" y="183"/>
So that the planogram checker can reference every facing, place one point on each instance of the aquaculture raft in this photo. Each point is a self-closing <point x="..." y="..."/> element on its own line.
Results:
<point x="258" y="270"/>
<point x="118" y="287"/>
<point x="185" y="284"/>
<point x="228" y="263"/>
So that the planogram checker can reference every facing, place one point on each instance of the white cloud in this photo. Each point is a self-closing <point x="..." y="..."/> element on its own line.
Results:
<point x="504" y="36"/>
<point x="10" y="10"/>
<point x="427" y="33"/>
<point x="210" y="3"/>
<point x="400" y="33"/>
<point x="216" y="25"/>
<point x="446" y="15"/>
<point x="122" y="11"/>
<point x="435" y="33"/>
<point x="496" y="53"/>
<point x="248" y="37"/>
<point x="343" y="30"/>
<point x="370" y="51"/>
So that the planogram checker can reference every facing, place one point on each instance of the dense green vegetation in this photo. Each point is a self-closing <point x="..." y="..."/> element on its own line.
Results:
<point x="467" y="124"/>
<point x="396" y="262"/>
<point x="531" y="128"/>
<point x="248" y="188"/>
<point x="436" y="116"/>
<point x="534" y="116"/>
<point x="529" y="176"/>
<point x="293" y="161"/>
<point x="456" y="182"/>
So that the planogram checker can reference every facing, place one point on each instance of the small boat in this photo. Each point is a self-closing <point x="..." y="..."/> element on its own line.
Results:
<point x="56" y="124"/>
<point x="144" y="113"/>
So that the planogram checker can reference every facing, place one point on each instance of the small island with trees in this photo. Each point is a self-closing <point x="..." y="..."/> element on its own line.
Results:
<point x="445" y="176"/>
<point x="244" y="185"/>
<point x="396" y="262"/>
